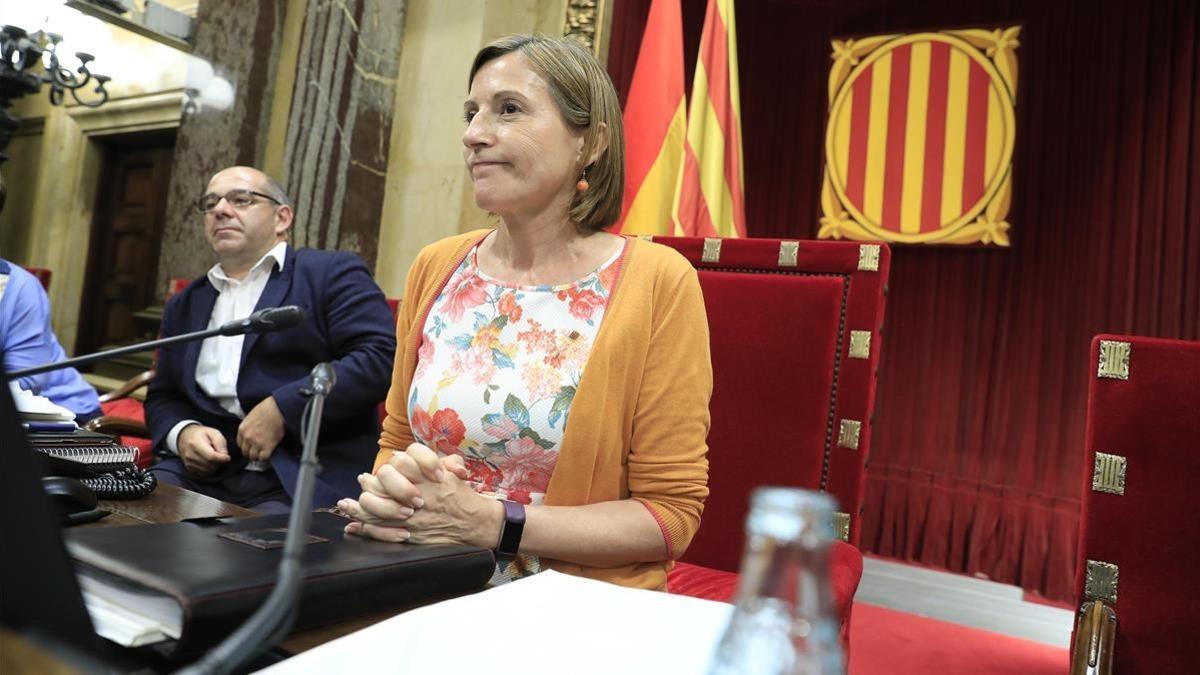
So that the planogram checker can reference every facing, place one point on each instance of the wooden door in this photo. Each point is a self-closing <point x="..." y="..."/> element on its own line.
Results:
<point x="126" y="240"/>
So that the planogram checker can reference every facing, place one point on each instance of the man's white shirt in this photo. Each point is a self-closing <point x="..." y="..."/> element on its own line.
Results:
<point x="220" y="359"/>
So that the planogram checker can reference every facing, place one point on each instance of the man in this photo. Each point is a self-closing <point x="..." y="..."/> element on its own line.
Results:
<point x="27" y="340"/>
<point x="230" y="407"/>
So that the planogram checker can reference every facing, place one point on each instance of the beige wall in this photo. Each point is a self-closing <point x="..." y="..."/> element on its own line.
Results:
<point x="21" y="178"/>
<point x="428" y="190"/>
<point x="55" y="161"/>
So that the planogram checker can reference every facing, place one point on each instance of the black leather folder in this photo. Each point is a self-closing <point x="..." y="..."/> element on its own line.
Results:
<point x="219" y="571"/>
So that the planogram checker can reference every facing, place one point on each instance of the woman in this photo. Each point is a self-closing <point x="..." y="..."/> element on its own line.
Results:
<point x="550" y="393"/>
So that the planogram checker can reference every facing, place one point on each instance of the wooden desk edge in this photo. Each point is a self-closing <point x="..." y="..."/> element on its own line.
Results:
<point x="169" y="504"/>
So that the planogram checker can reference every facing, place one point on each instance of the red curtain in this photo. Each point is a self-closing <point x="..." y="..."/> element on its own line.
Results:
<point x="977" y="452"/>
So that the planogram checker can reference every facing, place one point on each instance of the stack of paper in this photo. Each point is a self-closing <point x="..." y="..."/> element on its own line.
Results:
<point x="129" y="618"/>
<point x="547" y="623"/>
<point x="38" y="408"/>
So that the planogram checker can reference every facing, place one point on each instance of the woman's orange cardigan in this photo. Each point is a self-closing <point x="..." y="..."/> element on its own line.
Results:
<point x="639" y="420"/>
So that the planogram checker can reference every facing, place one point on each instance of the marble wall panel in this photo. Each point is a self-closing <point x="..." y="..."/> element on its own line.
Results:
<point x="226" y="123"/>
<point x="339" y="126"/>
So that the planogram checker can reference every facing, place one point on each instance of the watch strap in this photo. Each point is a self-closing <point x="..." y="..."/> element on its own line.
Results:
<point x="511" y="530"/>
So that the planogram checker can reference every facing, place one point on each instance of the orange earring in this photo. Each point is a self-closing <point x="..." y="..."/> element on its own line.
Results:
<point x="582" y="185"/>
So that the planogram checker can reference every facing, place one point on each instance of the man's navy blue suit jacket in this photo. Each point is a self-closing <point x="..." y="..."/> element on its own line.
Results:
<point x="348" y="324"/>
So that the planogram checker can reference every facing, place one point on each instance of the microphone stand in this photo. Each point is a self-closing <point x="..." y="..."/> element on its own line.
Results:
<point x="270" y="319"/>
<point x="88" y="359"/>
<point x="275" y="616"/>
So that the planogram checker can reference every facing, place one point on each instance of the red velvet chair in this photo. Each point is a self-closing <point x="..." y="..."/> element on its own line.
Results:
<point x="1139" y="539"/>
<point x="795" y="331"/>
<point x="42" y="274"/>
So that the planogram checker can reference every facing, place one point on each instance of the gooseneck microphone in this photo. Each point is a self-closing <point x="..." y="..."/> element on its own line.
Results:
<point x="276" y="615"/>
<point x="262" y="321"/>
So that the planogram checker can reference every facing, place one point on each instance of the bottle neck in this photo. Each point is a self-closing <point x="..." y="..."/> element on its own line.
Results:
<point x="784" y="622"/>
<point x="789" y="572"/>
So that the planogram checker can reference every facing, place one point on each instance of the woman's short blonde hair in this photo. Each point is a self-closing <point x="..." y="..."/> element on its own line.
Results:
<point x="587" y="100"/>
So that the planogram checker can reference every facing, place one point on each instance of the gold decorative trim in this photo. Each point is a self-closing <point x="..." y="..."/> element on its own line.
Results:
<point x="789" y="252"/>
<point x="841" y="526"/>
<point x="1108" y="474"/>
<point x="868" y="258"/>
<point x="712" y="250"/>
<point x="1101" y="581"/>
<point x="860" y="344"/>
<point x="1114" y="359"/>
<point x="584" y="20"/>
<point x="848" y="433"/>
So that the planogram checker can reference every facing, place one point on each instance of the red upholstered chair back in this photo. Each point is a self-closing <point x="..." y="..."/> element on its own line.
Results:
<point x="795" y="345"/>
<point x="175" y="286"/>
<point x="1143" y="413"/>
<point x="42" y="274"/>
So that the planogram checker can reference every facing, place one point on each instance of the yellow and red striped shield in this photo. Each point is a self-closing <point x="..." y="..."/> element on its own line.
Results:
<point x="919" y="139"/>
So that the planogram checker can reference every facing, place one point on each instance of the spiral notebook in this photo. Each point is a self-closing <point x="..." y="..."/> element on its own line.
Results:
<point x="75" y="437"/>
<point x="97" y="460"/>
<point x="89" y="458"/>
<point x="80" y="452"/>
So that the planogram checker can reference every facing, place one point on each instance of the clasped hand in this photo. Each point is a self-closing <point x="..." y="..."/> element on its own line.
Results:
<point x="421" y="498"/>
<point x="260" y="433"/>
<point x="203" y="450"/>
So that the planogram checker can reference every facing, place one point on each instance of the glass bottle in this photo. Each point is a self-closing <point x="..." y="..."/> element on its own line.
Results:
<point x="784" y="622"/>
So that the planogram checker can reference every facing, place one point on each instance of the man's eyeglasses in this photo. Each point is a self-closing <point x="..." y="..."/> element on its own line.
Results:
<point x="238" y="199"/>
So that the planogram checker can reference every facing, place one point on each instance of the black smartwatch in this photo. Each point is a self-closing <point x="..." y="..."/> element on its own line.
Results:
<point x="510" y="532"/>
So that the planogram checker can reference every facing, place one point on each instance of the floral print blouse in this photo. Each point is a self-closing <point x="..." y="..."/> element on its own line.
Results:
<point x="497" y="369"/>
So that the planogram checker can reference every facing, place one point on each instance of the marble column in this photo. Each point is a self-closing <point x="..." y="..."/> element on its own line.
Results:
<point x="339" y="126"/>
<point x="225" y="122"/>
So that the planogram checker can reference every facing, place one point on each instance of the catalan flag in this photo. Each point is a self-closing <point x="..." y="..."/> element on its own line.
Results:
<point x="654" y="124"/>
<point x="709" y="201"/>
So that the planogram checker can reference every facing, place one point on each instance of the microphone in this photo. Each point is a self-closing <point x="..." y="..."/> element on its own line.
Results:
<point x="322" y="379"/>
<point x="264" y="321"/>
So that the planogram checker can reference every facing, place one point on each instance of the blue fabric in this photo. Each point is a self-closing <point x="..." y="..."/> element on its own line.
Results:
<point x="251" y="489"/>
<point x="349" y="324"/>
<point x="27" y="340"/>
